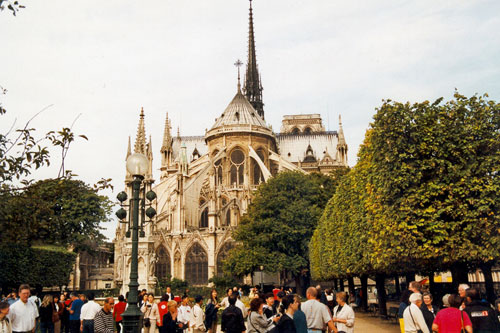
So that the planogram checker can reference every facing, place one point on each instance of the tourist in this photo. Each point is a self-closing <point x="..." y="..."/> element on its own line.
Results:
<point x="184" y="312"/>
<point x="257" y="322"/>
<point x="232" y="319"/>
<point x="482" y="316"/>
<point x="74" y="313"/>
<point x="169" y="320"/>
<point x="211" y="310"/>
<point x="88" y="313"/>
<point x="169" y="294"/>
<point x="317" y="314"/>
<point x="429" y="310"/>
<point x="103" y="321"/>
<point x="66" y="302"/>
<point x="197" y="322"/>
<point x="413" y="318"/>
<point x="150" y="310"/>
<point x="162" y="310"/>
<point x="452" y="319"/>
<point x="5" y="326"/>
<point x="343" y="314"/>
<point x="277" y="302"/>
<point x="46" y="312"/>
<point x="269" y="309"/>
<point x="12" y="298"/>
<point x="58" y="313"/>
<point x="225" y="301"/>
<point x="445" y="299"/>
<point x="299" y="318"/>
<point x="497" y="309"/>
<point x="330" y="299"/>
<point x="23" y="313"/>
<point x="462" y="290"/>
<point x="118" y="309"/>
<point x="241" y="305"/>
<point x="285" y="323"/>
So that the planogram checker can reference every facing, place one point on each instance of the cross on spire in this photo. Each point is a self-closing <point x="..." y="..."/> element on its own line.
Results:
<point x="238" y="64"/>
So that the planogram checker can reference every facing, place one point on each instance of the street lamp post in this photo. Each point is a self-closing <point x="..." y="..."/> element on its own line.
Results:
<point x="137" y="165"/>
<point x="261" y="278"/>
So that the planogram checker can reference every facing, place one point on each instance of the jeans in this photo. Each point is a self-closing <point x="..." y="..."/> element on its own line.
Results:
<point x="88" y="326"/>
<point x="47" y="327"/>
<point x="74" y="326"/>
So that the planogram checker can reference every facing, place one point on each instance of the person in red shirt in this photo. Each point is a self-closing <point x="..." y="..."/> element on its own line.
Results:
<point x="162" y="310"/>
<point x="452" y="319"/>
<point x="118" y="309"/>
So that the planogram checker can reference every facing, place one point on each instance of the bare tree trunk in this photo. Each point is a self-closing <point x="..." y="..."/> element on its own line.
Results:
<point x="341" y="284"/>
<point x="398" y="287"/>
<point x="350" y="284"/>
<point x="382" y="298"/>
<point x="364" y="292"/>
<point x="460" y="274"/>
<point x="488" y="281"/>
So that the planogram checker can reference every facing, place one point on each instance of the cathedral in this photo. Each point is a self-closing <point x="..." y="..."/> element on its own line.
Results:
<point x="206" y="182"/>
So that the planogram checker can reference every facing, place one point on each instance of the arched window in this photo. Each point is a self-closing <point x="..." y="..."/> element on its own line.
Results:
<point x="307" y="130"/>
<point x="237" y="167"/>
<point x="196" y="268"/>
<point x="204" y="218"/>
<point x="162" y="266"/>
<point x="218" y="172"/>
<point x="223" y="253"/>
<point x="295" y="131"/>
<point x="228" y="217"/>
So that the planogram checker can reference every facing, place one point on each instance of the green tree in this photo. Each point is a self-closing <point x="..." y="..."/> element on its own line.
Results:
<point x="54" y="211"/>
<point x="279" y="223"/>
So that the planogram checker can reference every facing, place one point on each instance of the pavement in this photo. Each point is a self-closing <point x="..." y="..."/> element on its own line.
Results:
<point x="365" y="323"/>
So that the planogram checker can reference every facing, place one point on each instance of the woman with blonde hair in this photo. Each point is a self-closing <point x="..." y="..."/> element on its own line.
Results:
<point x="46" y="313"/>
<point x="343" y="315"/>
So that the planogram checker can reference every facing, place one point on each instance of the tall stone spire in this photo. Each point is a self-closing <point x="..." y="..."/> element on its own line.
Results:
<point x="166" y="149"/>
<point x="341" y="145"/>
<point x="253" y="87"/>
<point x="140" y="139"/>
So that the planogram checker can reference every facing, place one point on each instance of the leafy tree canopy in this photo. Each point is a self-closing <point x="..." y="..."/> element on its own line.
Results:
<point x="54" y="211"/>
<point x="279" y="223"/>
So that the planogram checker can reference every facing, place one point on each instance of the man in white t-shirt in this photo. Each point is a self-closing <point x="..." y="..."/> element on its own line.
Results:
<point x="317" y="314"/>
<point x="87" y="314"/>
<point x="24" y="312"/>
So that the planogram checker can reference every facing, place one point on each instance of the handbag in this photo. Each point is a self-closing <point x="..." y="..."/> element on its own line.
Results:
<point x="146" y="322"/>
<point x="462" y="322"/>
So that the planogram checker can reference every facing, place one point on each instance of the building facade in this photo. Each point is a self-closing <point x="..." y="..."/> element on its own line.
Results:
<point x="206" y="182"/>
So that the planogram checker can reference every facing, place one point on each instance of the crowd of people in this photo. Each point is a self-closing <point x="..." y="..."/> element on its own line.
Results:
<point x="279" y="311"/>
<point x="66" y="313"/>
<point x="465" y="311"/>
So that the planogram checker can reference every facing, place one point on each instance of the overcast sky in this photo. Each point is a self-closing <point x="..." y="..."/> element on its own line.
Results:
<point x="107" y="59"/>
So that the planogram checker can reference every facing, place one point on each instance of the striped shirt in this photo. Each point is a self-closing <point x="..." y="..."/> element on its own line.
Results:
<point x="103" y="322"/>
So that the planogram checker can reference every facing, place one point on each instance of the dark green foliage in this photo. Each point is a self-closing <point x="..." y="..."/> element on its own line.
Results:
<point x="279" y="223"/>
<point x="53" y="211"/>
<point x="37" y="266"/>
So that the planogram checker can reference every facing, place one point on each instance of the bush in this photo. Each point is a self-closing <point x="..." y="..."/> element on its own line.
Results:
<point x="39" y="266"/>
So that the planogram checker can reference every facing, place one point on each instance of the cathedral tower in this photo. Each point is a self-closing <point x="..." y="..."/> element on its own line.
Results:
<point x="253" y="87"/>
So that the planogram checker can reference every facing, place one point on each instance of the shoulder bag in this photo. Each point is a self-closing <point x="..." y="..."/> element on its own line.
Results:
<point x="409" y="309"/>
<point x="462" y="322"/>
